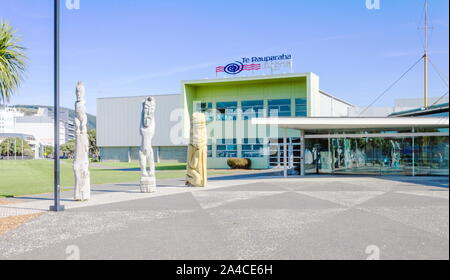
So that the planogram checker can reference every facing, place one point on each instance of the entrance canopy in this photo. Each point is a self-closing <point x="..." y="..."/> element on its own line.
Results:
<point x="309" y="127"/>
<point x="328" y="123"/>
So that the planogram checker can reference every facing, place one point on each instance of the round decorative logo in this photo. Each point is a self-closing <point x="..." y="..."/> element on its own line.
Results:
<point x="234" y="68"/>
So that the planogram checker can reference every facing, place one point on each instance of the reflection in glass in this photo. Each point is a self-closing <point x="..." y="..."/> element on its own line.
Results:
<point x="378" y="156"/>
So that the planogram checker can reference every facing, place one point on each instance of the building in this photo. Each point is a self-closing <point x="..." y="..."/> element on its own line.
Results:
<point x="34" y="145"/>
<point x="118" y="123"/>
<point x="233" y="100"/>
<point x="41" y="127"/>
<point x="233" y="103"/>
<point x="370" y="146"/>
<point x="407" y="142"/>
<point x="282" y="121"/>
<point x="8" y="119"/>
<point x="64" y="117"/>
<point x="39" y="121"/>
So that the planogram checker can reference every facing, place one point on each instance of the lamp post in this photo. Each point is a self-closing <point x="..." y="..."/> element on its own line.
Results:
<point x="57" y="192"/>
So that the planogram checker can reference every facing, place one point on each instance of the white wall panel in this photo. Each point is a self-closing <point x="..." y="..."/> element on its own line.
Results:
<point x="118" y="120"/>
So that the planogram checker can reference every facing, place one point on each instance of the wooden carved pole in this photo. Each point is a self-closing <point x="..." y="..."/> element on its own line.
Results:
<point x="81" y="162"/>
<point x="197" y="152"/>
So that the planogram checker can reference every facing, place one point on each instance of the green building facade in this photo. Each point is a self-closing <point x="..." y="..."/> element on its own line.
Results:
<point x="230" y="104"/>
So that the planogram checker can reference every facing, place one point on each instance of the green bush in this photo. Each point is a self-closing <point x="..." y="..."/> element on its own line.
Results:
<point x="239" y="163"/>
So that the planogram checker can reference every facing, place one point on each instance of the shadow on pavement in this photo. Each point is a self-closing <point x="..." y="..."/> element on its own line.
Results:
<point x="439" y="182"/>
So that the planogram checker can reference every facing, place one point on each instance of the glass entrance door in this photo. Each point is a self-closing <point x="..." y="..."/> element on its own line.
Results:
<point x="277" y="153"/>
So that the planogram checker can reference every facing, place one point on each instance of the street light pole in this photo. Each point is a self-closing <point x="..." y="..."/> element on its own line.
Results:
<point x="57" y="192"/>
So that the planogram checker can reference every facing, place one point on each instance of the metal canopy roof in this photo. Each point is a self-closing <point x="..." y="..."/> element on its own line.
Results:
<point x="422" y="111"/>
<point x="318" y="123"/>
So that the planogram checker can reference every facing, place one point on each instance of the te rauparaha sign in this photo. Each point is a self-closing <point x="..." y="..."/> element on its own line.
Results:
<point x="260" y="64"/>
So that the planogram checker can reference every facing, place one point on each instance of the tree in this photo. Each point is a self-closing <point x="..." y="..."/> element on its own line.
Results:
<point x="48" y="151"/>
<point x="13" y="146"/>
<point x="94" y="151"/>
<point x="68" y="149"/>
<point x="12" y="61"/>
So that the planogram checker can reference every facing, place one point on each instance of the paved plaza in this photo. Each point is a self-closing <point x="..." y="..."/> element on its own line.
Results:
<point x="242" y="217"/>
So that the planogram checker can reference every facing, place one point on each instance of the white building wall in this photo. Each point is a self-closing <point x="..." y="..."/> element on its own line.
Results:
<point x="118" y="121"/>
<point x="370" y="112"/>
<point x="331" y="106"/>
<point x="7" y="119"/>
<point x="313" y="95"/>
<point x="42" y="131"/>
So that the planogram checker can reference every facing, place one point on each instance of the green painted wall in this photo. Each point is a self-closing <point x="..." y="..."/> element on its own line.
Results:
<point x="238" y="90"/>
<point x="251" y="91"/>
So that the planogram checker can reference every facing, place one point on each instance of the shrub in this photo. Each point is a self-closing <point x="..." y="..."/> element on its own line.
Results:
<point x="239" y="163"/>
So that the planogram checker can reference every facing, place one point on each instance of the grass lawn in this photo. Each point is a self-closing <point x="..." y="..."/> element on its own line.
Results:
<point x="135" y="165"/>
<point x="36" y="176"/>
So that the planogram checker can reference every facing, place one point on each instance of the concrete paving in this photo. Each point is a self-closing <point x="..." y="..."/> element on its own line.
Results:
<point x="245" y="217"/>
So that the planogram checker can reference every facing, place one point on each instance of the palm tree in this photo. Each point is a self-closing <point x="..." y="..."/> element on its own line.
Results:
<point x="12" y="61"/>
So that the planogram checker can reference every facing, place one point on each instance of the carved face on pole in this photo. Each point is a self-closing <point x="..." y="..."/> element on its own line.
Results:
<point x="198" y="129"/>
<point x="149" y="111"/>
<point x="80" y="91"/>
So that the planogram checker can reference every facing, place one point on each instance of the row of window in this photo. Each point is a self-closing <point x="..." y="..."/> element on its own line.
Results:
<point x="227" y="111"/>
<point x="228" y="148"/>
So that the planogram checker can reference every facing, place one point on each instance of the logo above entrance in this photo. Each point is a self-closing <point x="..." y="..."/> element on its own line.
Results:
<point x="237" y="67"/>
<point x="272" y="63"/>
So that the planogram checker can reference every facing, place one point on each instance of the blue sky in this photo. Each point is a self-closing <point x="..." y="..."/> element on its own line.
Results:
<point x="145" y="47"/>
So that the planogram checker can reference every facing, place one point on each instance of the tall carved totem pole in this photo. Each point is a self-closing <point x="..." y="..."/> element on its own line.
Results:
<point x="81" y="162"/>
<point x="148" y="180"/>
<point x="197" y="152"/>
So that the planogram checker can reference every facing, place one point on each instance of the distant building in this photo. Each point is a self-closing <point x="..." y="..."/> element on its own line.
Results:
<point x="64" y="116"/>
<point x="7" y="119"/>
<point x="36" y="147"/>
<point x="38" y="122"/>
<point x="41" y="127"/>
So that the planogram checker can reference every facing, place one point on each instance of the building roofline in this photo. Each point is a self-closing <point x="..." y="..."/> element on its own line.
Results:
<point x="336" y="98"/>
<point x="352" y="123"/>
<point x="19" y="106"/>
<point x="422" y="110"/>
<point x="4" y="134"/>
<point x="247" y="78"/>
<point x="135" y="96"/>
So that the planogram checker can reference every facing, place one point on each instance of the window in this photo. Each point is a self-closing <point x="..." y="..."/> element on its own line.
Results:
<point x="206" y="108"/>
<point x="252" y="148"/>
<point x="210" y="149"/>
<point x="226" y="111"/>
<point x="301" y="109"/>
<point x="226" y="148"/>
<point x="252" y="109"/>
<point x="280" y="107"/>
